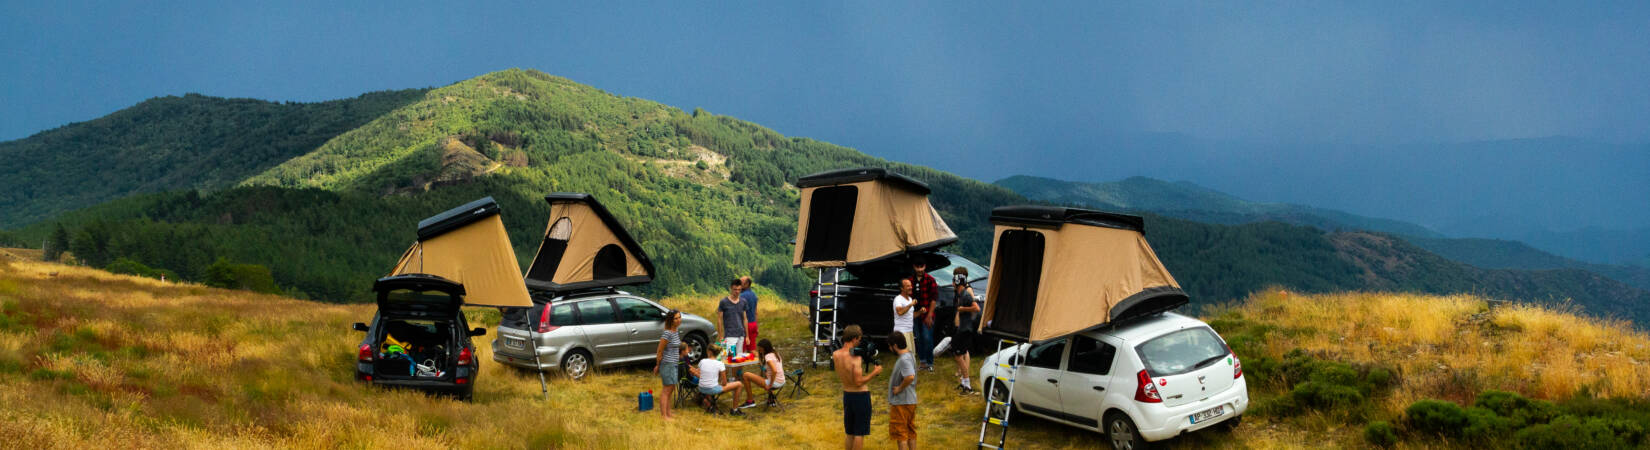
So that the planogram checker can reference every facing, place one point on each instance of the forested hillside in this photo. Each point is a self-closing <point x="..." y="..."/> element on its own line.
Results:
<point x="707" y="196"/>
<point x="169" y="143"/>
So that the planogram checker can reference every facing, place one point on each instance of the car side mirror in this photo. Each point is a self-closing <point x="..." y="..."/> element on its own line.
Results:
<point x="662" y="315"/>
<point x="359" y="326"/>
<point x="478" y="332"/>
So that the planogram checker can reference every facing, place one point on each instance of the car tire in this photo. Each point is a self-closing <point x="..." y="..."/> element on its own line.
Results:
<point x="1122" y="434"/>
<point x="576" y="364"/>
<point x="696" y="344"/>
<point x="999" y="392"/>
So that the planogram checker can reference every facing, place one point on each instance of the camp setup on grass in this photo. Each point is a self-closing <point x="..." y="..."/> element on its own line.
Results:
<point x="419" y="338"/>
<point x="584" y="247"/>
<point x="1058" y="271"/>
<point x="869" y="221"/>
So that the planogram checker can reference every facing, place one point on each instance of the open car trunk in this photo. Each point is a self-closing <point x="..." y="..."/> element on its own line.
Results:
<point x="419" y="329"/>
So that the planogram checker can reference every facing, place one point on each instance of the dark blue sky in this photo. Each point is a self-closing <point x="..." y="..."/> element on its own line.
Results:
<point x="961" y="88"/>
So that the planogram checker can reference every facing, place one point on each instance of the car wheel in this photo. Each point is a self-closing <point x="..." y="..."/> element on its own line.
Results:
<point x="696" y="344"/>
<point x="999" y="393"/>
<point x="576" y="364"/>
<point x="1122" y="433"/>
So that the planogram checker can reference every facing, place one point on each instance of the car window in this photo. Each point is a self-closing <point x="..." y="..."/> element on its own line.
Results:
<point x="1091" y="356"/>
<point x="634" y="310"/>
<point x="942" y="275"/>
<point x="562" y="315"/>
<point x="1046" y="355"/>
<point x="1181" y="351"/>
<point x="595" y="312"/>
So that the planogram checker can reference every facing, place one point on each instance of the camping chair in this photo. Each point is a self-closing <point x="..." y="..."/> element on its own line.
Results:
<point x="795" y="379"/>
<point x="687" y="386"/>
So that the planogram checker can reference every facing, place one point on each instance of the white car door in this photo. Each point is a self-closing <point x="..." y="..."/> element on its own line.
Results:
<point x="1084" y="383"/>
<point x="1037" y="387"/>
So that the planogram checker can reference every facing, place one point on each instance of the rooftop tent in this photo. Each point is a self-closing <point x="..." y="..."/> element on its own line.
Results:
<point x="585" y="247"/>
<point x="467" y="245"/>
<point x="1057" y="271"/>
<point x="851" y="217"/>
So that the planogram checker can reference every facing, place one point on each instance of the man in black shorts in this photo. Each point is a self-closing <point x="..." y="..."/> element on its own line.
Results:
<point x="962" y="326"/>
<point x="856" y="397"/>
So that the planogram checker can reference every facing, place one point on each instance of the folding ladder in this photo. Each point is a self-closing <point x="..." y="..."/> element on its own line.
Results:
<point x="1012" y="368"/>
<point x="822" y="322"/>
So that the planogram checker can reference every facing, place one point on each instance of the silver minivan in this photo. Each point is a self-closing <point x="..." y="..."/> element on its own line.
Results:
<point x="578" y="332"/>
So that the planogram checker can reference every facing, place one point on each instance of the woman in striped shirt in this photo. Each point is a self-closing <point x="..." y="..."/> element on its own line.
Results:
<point x="670" y="353"/>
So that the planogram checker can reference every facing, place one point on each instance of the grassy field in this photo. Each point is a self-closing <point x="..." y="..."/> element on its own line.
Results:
<point x="89" y="358"/>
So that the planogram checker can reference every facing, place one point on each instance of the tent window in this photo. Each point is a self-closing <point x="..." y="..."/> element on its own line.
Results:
<point x="609" y="263"/>
<point x="1020" y="259"/>
<point x="551" y="251"/>
<point x="830" y="223"/>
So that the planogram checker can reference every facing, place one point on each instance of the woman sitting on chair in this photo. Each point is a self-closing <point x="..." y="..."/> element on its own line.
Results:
<point x="711" y="372"/>
<point x="774" y="379"/>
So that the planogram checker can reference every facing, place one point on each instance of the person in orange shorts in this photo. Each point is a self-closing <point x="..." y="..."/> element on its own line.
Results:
<point x="902" y="394"/>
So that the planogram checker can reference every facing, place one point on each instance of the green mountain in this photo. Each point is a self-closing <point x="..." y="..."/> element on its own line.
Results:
<point x="1192" y="202"/>
<point x="170" y="143"/>
<point x="708" y="196"/>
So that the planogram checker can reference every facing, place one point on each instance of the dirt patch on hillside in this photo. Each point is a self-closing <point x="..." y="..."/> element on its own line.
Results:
<point x="698" y="164"/>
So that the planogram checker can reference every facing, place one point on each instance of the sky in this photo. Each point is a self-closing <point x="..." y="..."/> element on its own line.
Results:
<point x="962" y="88"/>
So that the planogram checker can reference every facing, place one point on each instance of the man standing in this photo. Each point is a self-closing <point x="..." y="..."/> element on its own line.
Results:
<point x="902" y="396"/>
<point x="924" y="290"/>
<point x="903" y="311"/>
<point x="856" y="398"/>
<point x="730" y="317"/>
<point x="748" y="297"/>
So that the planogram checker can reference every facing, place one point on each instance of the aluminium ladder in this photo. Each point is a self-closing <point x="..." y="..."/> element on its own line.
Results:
<point x="1012" y="368"/>
<point x="821" y="321"/>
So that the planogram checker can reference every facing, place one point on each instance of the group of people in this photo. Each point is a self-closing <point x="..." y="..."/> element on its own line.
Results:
<point x="736" y="318"/>
<point x="918" y="315"/>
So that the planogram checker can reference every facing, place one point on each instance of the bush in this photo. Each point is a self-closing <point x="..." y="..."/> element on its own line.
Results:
<point x="130" y="267"/>
<point x="1570" y="432"/>
<point x="1485" y="424"/>
<point x="1380" y="434"/>
<point x="1436" y="417"/>
<point x="251" y="277"/>
<point x="1522" y="411"/>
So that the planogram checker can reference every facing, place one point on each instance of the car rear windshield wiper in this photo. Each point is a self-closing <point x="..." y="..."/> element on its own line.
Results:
<point x="1207" y="362"/>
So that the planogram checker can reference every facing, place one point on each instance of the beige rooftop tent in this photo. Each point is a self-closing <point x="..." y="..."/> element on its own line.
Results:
<point x="1059" y="271"/>
<point x="468" y="245"/>
<point x="857" y="216"/>
<point x="585" y="247"/>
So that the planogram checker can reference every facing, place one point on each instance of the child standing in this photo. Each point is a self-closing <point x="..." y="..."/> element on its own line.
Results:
<point x="902" y="394"/>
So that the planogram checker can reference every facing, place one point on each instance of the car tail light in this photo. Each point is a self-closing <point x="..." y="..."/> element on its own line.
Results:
<point x="813" y="293"/>
<point x="365" y="355"/>
<point x="366" y="377"/>
<point x="1147" y="392"/>
<point x="462" y="381"/>
<point x="464" y="357"/>
<point x="1237" y="367"/>
<point x="544" y="321"/>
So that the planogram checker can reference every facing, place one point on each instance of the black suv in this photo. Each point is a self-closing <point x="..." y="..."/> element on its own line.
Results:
<point x="419" y="339"/>
<point x="867" y="292"/>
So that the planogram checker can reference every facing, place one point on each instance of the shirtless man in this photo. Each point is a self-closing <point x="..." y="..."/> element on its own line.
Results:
<point x="856" y="398"/>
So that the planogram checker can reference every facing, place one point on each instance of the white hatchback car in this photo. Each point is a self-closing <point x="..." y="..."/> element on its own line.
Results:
<point x="1147" y="380"/>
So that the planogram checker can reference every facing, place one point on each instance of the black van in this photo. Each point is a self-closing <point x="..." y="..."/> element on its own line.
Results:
<point x="419" y="339"/>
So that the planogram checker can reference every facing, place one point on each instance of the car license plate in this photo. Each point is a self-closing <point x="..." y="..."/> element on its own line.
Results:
<point x="1210" y="414"/>
<point x="517" y="344"/>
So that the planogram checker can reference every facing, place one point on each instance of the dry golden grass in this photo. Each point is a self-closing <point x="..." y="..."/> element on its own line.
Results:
<point x="89" y="359"/>
<point x="1455" y="347"/>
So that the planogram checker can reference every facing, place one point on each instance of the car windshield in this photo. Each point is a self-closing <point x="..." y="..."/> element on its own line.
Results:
<point x="1181" y="351"/>
<point x="942" y="276"/>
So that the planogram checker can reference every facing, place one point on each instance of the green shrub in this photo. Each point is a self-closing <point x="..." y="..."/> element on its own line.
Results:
<point x="1326" y="395"/>
<point x="1485" y="424"/>
<point x="1522" y="411"/>
<point x="251" y="277"/>
<point x="1380" y="434"/>
<point x="130" y="267"/>
<point x="1436" y="417"/>
<point x="1570" y="432"/>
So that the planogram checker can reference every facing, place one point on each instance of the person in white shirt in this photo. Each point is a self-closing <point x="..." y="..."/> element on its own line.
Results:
<point x="712" y="373"/>
<point x="904" y="319"/>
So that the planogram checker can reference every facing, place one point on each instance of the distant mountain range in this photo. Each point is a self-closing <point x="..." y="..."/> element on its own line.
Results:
<point x="708" y="196"/>
<point x="1193" y="202"/>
